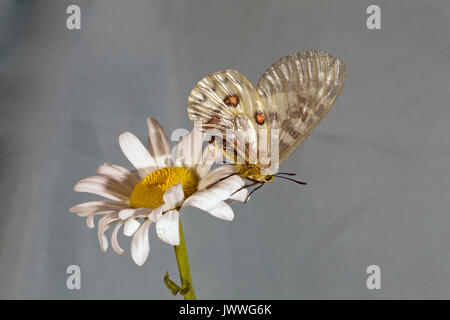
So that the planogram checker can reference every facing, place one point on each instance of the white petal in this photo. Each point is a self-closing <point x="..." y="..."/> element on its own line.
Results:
<point x="103" y="242"/>
<point x="140" y="246"/>
<point x="240" y="195"/>
<point x="137" y="154"/>
<point x="225" y="188"/>
<point x="158" y="144"/>
<point x="210" y="154"/>
<point x="167" y="228"/>
<point x="103" y="186"/>
<point x="142" y="213"/>
<point x="189" y="150"/>
<point x="90" y="219"/>
<point x="215" y="175"/>
<point x="131" y="225"/>
<point x="90" y="222"/>
<point x="119" y="174"/>
<point x="114" y="243"/>
<point x="209" y="202"/>
<point x="126" y="213"/>
<point x="174" y="196"/>
<point x="157" y="213"/>
<point x="87" y="208"/>
<point x="103" y="225"/>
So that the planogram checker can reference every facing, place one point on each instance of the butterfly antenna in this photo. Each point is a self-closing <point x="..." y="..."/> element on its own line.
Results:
<point x="251" y="192"/>
<point x="293" y="180"/>
<point x="287" y="173"/>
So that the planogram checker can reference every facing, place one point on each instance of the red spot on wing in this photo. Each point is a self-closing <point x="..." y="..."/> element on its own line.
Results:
<point x="231" y="100"/>
<point x="259" y="117"/>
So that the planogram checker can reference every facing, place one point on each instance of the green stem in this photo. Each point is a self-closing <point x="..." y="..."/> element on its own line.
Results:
<point x="187" y="288"/>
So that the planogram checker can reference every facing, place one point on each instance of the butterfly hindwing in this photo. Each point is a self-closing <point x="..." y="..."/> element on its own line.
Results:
<point x="298" y="91"/>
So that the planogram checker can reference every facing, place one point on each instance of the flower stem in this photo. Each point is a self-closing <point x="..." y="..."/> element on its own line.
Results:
<point x="187" y="288"/>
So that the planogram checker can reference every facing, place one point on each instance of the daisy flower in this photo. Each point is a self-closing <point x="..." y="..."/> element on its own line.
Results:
<point x="157" y="189"/>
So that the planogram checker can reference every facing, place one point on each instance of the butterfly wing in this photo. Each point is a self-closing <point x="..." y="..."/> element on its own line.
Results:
<point x="298" y="91"/>
<point x="227" y="101"/>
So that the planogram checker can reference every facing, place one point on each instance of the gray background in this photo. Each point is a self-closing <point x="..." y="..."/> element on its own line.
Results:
<point x="378" y="166"/>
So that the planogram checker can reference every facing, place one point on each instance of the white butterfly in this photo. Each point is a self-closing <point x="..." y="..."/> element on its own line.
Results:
<point x="291" y="99"/>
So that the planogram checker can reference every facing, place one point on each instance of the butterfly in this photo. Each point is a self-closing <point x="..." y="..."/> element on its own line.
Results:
<point x="264" y="125"/>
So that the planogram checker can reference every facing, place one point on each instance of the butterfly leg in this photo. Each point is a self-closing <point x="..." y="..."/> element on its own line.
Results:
<point x="260" y="184"/>
<point x="221" y="179"/>
<point x="251" y="192"/>
<point x="245" y="186"/>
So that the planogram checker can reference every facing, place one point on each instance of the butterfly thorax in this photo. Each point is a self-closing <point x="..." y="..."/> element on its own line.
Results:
<point x="253" y="172"/>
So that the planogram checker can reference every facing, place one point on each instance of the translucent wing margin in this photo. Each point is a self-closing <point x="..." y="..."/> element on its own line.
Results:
<point x="298" y="91"/>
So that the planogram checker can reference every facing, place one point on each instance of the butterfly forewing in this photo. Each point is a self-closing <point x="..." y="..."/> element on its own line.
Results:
<point x="298" y="91"/>
<point x="227" y="101"/>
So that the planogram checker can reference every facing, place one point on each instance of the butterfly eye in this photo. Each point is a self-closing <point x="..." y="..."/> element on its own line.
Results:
<point x="231" y="100"/>
<point x="259" y="117"/>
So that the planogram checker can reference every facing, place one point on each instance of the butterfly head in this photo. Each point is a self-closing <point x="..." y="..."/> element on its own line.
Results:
<point x="254" y="174"/>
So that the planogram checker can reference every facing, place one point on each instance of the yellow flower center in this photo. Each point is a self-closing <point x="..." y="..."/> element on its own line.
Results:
<point x="148" y="193"/>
